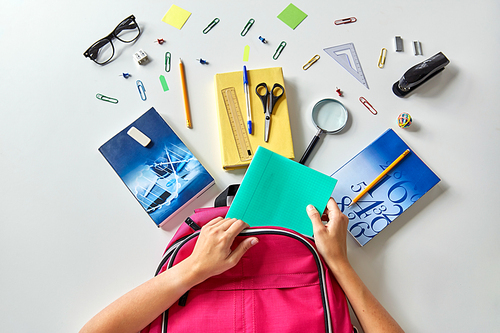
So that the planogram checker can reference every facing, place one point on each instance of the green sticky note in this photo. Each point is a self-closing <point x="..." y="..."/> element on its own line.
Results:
<point x="276" y="191"/>
<point x="292" y="16"/>
<point x="163" y="82"/>
<point x="176" y="16"/>
<point x="246" y="53"/>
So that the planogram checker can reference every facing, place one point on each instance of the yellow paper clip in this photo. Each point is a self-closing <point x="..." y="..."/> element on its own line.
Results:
<point x="381" y="59"/>
<point x="311" y="62"/>
<point x="106" y="98"/>
<point x="279" y="50"/>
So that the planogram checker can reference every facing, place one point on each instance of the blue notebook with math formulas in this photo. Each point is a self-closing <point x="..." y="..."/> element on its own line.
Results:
<point x="391" y="196"/>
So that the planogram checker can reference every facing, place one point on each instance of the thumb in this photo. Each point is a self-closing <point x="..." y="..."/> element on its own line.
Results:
<point x="242" y="248"/>
<point x="315" y="217"/>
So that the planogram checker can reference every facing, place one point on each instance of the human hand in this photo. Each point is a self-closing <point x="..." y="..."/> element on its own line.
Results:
<point x="330" y="238"/>
<point x="212" y="253"/>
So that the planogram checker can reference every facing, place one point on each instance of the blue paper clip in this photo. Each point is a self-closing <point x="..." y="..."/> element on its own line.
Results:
<point x="142" y="90"/>
<point x="279" y="50"/>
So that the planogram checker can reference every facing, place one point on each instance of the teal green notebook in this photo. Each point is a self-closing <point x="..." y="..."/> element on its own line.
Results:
<point x="276" y="191"/>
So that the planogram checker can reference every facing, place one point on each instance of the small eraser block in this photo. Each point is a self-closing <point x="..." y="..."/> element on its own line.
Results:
<point x="138" y="136"/>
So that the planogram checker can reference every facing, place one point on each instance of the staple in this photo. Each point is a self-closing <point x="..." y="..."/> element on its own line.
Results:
<point x="399" y="44"/>
<point x="417" y="47"/>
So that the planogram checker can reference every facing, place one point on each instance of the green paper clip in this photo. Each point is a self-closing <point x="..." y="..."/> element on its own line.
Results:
<point x="279" y="50"/>
<point x="167" y="61"/>
<point x="247" y="27"/>
<point x="211" y="25"/>
<point x="106" y="98"/>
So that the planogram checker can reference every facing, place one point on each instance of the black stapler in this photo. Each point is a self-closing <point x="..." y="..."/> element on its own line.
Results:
<point x="419" y="74"/>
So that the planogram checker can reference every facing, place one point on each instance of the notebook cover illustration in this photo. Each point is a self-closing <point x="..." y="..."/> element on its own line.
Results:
<point x="391" y="196"/>
<point x="276" y="191"/>
<point x="280" y="135"/>
<point x="164" y="176"/>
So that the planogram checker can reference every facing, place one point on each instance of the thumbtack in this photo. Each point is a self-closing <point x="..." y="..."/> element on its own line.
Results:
<point x="125" y="75"/>
<point x="262" y="39"/>
<point x="160" y="41"/>
<point x="203" y="62"/>
<point x="338" y="91"/>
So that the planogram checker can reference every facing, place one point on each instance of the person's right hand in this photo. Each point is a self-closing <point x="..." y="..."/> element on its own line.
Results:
<point x="330" y="238"/>
<point x="212" y="253"/>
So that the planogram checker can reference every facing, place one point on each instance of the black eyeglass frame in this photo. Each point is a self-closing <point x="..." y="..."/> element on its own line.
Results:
<point x="109" y="38"/>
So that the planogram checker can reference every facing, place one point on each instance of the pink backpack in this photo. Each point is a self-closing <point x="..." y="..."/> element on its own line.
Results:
<point x="280" y="285"/>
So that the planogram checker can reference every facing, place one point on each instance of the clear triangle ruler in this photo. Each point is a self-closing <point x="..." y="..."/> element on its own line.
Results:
<point x="347" y="57"/>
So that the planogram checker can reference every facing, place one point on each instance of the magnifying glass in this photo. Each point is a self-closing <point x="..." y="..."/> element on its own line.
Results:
<point x="330" y="117"/>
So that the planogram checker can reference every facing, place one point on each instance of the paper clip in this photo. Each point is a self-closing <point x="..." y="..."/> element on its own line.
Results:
<point x="345" y="21"/>
<point x="311" y="62"/>
<point x="106" y="98"/>
<point x="167" y="61"/>
<point x="368" y="105"/>
<point x="142" y="90"/>
<point x="279" y="50"/>
<point x="381" y="59"/>
<point x="247" y="27"/>
<point x="211" y="25"/>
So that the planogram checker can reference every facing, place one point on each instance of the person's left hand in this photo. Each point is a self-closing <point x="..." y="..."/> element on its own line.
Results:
<point x="212" y="253"/>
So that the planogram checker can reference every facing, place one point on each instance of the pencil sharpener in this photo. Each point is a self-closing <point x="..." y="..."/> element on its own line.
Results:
<point x="141" y="57"/>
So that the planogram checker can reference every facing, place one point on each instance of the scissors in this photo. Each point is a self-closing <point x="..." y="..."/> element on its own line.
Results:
<point x="272" y="102"/>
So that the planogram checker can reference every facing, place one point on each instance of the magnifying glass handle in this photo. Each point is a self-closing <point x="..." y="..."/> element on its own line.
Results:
<point x="310" y="148"/>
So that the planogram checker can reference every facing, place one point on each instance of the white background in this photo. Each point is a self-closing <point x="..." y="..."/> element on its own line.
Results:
<point x="72" y="237"/>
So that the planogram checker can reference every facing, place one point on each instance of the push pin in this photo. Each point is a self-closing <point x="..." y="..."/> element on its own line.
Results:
<point x="126" y="75"/>
<point x="160" y="41"/>
<point x="262" y="39"/>
<point x="338" y="91"/>
<point x="203" y="62"/>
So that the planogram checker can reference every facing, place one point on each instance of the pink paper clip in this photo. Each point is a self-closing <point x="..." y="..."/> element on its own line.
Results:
<point x="345" y="21"/>
<point x="368" y="105"/>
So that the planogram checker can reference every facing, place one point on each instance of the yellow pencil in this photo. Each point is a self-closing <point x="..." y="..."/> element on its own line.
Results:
<point x="376" y="180"/>
<point x="185" y="94"/>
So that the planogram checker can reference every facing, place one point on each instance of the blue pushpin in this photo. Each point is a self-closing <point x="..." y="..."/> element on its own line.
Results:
<point x="262" y="39"/>
<point x="126" y="75"/>
<point x="203" y="62"/>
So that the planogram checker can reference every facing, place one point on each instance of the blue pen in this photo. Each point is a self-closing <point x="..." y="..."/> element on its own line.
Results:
<point x="249" y="111"/>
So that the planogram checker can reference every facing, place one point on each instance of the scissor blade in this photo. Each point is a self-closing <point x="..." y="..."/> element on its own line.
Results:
<point x="267" y="126"/>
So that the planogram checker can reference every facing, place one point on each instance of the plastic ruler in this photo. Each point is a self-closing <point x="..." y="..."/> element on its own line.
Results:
<point x="237" y="124"/>
<point x="341" y="55"/>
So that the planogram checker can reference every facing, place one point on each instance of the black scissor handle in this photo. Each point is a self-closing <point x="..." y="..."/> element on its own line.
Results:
<point x="275" y="98"/>
<point x="263" y="98"/>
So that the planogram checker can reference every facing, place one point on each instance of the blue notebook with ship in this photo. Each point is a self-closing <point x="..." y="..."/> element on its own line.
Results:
<point x="160" y="171"/>
<point x="391" y="196"/>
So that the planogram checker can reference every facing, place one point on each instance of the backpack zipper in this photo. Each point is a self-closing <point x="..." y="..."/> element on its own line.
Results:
<point x="255" y="232"/>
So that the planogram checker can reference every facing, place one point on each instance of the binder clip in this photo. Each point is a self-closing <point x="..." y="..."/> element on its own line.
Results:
<point x="419" y="74"/>
<point x="141" y="57"/>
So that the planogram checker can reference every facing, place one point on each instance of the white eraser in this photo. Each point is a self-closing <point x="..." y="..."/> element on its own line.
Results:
<point x="138" y="136"/>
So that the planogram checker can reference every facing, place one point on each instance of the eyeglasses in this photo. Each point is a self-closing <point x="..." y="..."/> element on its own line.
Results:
<point x="102" y="51"/>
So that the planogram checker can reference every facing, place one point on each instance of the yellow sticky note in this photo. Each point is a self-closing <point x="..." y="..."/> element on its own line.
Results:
<point x="246" y="53"/>
<point x="176" y="16"/>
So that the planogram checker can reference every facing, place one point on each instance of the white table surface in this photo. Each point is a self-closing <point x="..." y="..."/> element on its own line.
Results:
<point x="72" y="237"/>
